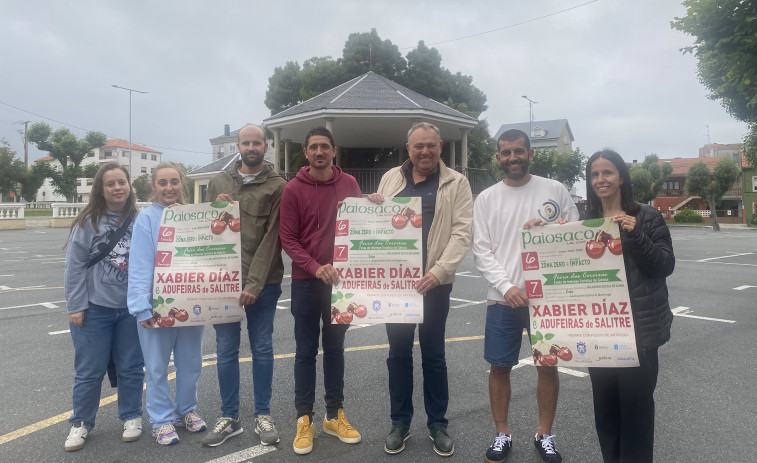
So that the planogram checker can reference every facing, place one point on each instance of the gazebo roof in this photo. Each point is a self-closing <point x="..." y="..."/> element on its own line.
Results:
<point x="369" y="111"/>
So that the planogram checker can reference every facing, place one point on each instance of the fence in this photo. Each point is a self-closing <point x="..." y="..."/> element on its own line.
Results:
<point x="10" y="211"/>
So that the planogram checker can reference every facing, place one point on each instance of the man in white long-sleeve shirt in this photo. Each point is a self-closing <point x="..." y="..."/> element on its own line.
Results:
<point x="500" y="213"/>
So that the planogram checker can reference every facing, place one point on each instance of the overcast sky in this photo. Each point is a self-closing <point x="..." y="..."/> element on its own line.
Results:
<point x="612" y="68"/>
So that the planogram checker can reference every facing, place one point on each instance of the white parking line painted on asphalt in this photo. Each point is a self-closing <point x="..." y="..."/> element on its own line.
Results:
<point x="52" y="333"/>
<point x="11" y="275"/>
<point x="244" y="455"/>
<point x="465" y="303"/>
<point x="529" y="361"/>
<point x="738" y="288"/>
<point x="30" y="305"/>
<point x="24" y="288"/>
<point x="467" y="274"/>
<point x="49" y="305"/>
<point x="726" y="257"/>
<point x="682" y="311"/>
<point x="282" y="307"/>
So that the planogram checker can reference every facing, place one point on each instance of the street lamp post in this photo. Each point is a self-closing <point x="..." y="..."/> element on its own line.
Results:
<point x="130" y="90"/>
<point x="531" y="104"/>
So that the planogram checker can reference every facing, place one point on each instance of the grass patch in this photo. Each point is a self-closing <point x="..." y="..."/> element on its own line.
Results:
<point x="38" y="213"/>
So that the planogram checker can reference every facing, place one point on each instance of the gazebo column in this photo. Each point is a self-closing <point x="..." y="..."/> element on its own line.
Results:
<point x="452" y="154"/>
<point x="276" y="149"/>
<point x="330" y="126"/>
<point x="287" y="145"/>
<point x="464" y="148"/>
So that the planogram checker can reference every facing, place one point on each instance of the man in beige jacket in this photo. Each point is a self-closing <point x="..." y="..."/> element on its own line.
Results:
<point x="447" y="215"/>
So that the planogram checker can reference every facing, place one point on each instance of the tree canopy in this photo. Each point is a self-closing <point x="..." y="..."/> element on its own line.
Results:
<point x="711" y="186"/>
<point x="566" y="168"/>
<point x="725" y="39"/>
<point x="648" y="177"/>
<point x="12" y="169"/>
<point x="420" y="71"/>
<point x="68" y="150"/>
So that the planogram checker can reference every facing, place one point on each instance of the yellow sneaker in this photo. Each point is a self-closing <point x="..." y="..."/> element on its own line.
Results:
<point x="303" y="441"/>
<point x="341" y="429"/>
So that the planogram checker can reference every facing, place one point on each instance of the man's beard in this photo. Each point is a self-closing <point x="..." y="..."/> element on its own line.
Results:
<point x="252" y="162"/>
<point x="516" y="176"/>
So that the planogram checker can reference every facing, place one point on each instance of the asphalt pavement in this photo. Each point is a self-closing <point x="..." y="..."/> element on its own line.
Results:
<point x="706" y="400"/>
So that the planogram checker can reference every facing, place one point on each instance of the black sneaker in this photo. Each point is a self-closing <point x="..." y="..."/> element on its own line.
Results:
<point x="395" y="441"/>
<point x="442" y="442"/>
<point x="546" y="448"/>
<point x="499" y="449"/>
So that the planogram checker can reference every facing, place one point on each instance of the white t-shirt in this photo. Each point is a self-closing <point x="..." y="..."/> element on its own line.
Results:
<point x="498" y="217"/>
<point x="247" y="178"/>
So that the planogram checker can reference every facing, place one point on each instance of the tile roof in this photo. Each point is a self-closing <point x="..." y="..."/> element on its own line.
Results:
<point x="216" y="166"/>
<point x="118" y="143"/>
<point x="373" y="92"/>
<point x="681" y="165"/>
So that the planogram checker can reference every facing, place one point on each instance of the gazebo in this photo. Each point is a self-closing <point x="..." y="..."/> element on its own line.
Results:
<point x="369" y="111"/>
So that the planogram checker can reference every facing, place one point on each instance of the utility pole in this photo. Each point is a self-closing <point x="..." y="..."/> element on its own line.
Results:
<point x="531" y="104"/>
<point x="26" y="143"/>
<point x="130" y="90"/>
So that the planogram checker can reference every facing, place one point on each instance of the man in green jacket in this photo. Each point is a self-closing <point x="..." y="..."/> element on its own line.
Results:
<point x="254" y="192"/>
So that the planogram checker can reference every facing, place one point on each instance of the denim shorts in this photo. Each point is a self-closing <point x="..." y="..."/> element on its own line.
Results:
<point x="503" y="335"/>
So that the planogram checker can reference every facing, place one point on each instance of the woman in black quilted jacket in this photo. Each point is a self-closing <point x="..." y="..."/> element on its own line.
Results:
<point x="624" y="397"/>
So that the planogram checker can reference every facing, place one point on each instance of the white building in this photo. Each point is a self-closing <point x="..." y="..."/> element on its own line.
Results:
<point x="544" y="134"/>
<point x="143" y="161"/>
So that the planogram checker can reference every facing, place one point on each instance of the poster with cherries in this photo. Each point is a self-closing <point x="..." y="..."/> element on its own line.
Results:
<point x="198" y="266"/>
<point x="580" y="312"/>
<point x="378" y="255"/>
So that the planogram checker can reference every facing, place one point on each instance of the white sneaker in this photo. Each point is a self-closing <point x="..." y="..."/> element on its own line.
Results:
<point x="76" y="437"/>
<point x="132" y="429"/>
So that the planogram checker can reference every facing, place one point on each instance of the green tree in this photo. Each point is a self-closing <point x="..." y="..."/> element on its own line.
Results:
<point x="711" y="186"/>
<point x="725" y="37"/>
<point x="283" y="87"/>
<point x="90" y="170"/>
<point x="421" y="71"/>
<point x="68" y="150"/>
<point x="566" y="168"/>
<point x="142" y="187"/>
<point x="12" y="170"/>
<point x="647" y="178"/>
<point x="33" y="180"/>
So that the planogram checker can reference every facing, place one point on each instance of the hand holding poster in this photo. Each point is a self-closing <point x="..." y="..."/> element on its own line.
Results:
<point x="378" y="255"/>
<point x="580" y="311"/>
<point x="197" y="277"/>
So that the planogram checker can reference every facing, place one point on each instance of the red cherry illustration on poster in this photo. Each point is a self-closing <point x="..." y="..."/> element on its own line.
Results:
<point x="594" y="249"/>
<point x="399" y="221"/>
<point x="615" y="246"/>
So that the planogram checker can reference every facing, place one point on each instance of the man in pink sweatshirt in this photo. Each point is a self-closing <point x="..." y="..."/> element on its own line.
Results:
<point x="308" y="223"/>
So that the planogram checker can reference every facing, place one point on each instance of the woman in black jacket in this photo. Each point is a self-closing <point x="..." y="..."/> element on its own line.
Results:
<point x="624" y="397"/>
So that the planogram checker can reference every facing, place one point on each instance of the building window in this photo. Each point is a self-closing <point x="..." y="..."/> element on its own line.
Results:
<point x="108" y="154"/>
<point x="152" y="170"/>
<point x="538" y="132"/>
<point x="91" y="154"/>
<point x="154" y="157"/>
<point x="671" y="186"/>
<point x="124" y="154"/>
<point x="144" y="156"/>
<point x="232" y="149"/>
<point x="144" y="170"/>
<point x="754" y="184"/>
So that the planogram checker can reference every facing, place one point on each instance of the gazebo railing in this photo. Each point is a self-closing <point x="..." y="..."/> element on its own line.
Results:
<point x="368" y="179"/>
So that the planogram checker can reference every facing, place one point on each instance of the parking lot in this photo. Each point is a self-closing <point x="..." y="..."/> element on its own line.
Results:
<point x="706" y="400"/>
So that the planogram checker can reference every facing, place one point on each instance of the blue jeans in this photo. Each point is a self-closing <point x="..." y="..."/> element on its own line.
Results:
<point x="260" y="317"/>
<point x="311" y="306"/>
<point x="103" y="333"/>
<point x="433" y="360"/>
<point x="157" y="344"/>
